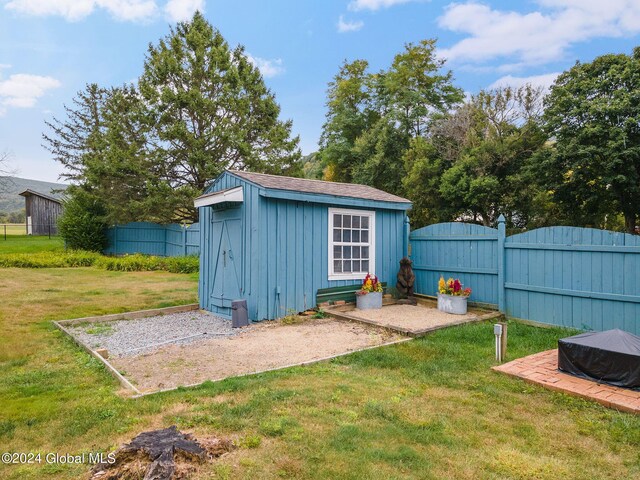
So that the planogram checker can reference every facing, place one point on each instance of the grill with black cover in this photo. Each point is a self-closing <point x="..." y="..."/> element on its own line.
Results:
<point x="611" y="357"/>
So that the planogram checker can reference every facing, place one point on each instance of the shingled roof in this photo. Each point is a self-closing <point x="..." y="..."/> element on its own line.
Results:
<point x="318" y="187"/>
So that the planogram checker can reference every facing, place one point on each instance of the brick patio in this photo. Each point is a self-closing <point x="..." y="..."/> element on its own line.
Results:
<point x="542" y="369"/>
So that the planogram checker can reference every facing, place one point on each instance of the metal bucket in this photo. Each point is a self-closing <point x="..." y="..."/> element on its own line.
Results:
<point x="369" y="301"/>
<point x="455" y="304"/>
<point x="239" y="314"/>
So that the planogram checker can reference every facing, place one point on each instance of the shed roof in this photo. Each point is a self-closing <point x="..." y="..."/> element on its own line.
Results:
<point x="49" y="196"/>
<point x="318" y="187"/>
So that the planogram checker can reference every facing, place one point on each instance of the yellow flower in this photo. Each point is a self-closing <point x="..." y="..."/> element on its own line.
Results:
<point x="442" y="287"/>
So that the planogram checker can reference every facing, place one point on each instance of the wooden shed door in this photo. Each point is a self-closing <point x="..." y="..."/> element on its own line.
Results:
<point x="227" y="251"/>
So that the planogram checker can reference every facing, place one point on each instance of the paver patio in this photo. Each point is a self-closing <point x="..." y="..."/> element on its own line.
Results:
<point x="542" y="369"/>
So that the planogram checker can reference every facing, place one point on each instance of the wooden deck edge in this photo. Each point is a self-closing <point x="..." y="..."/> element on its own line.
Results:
<point x="412" y="332"/>
<point x="130" y="315"/>
<point x="123" y="381"/>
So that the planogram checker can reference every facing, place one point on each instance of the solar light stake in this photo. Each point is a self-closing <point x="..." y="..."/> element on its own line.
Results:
<point x="503" y="342"/>
<point x="497" y="331"/>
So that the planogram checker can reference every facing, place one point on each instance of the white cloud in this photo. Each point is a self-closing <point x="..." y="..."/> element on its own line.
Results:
<point x="536" y="37"/>
<point x="357" y="5"/>
<point x="349" y="26"/>
<point x="74" y="10"/>
<point x="268" y="68"/>
<point x="23" y="91"/>
<point x="545" y="81"/>
<point x="182" y="10"/>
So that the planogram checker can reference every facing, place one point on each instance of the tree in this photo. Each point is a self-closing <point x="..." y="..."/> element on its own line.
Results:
<point x="80" y="137"/>
<point x="208" y="109"/>
<point x="349" y="114"/>
<point x="147" y="151"/>
<point x="593" y="115"/>
<point x="81" y="224"/>
<point x="4" y="171"/>
<point x="473" y="165"/>
<point x="372" y="117"/>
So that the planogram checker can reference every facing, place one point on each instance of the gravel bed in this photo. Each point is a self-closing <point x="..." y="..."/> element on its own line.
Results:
<point x="135" y="337"/>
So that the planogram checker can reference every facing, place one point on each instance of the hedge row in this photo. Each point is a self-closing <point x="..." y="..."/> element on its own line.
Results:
<point x="80" y="258"/>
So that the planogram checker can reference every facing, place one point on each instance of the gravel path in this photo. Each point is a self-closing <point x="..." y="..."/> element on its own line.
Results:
<point x="144" y="335"/>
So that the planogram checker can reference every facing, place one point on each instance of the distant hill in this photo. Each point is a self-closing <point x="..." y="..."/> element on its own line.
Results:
<point x="10" y="187"/>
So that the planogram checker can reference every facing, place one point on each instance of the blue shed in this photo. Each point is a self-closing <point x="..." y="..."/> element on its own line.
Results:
<point x="274" y="240"/>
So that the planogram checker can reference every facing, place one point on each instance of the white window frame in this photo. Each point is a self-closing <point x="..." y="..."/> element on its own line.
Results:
<point x="371" y="244"/>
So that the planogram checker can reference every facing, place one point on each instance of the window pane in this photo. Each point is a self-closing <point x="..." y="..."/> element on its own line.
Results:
<point x="365" y="222"/>
<point x="356" y="265"/>
<point x="356" y="252"/>
<point x="336" y="234"/>
<point x="364" y="236"/>
<point x="346" y="235"/>
<point x="355" y="222"/>
<point x="346" y="266"/>
<point x="364" y="253"/>
<point x="355" y="235"/>
<point x="337" y="251"/>
<point x="346" y="252"/>
<point x="337" y="220"/>
<point x="365" y="265"/>
<point x="346" y="221"/>
<point x="337" y="266"/>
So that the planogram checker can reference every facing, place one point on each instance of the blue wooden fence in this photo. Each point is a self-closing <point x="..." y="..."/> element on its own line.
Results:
<point x="171" y="240"/>
<point x="567" y="276"/>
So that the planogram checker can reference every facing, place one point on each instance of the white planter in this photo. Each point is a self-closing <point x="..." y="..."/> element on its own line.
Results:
<point x="452" y="304"/>
<point x="369" y="301"/>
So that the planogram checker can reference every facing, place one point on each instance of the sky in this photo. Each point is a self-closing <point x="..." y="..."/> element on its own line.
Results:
<point x="50" y="49"/>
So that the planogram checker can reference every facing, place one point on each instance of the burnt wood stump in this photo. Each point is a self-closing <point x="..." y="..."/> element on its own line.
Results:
<point x="166" y="454"/>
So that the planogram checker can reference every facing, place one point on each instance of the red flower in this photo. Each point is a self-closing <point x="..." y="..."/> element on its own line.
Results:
<point x="457" y="286"/>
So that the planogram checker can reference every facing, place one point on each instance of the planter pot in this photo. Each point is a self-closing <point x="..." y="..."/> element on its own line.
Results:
<point x="452" y="304"/>
<point x="369" y="301"/>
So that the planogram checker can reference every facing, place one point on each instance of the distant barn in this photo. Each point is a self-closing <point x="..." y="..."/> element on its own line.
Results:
<point x="42" y="212"/>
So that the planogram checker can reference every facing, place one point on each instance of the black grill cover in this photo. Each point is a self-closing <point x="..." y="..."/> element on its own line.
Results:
<point x="611" y="357"/>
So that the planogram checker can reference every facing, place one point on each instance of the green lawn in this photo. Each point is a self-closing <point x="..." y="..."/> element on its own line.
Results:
<point x="428" y="408"/>
<point x="29" y="244"/>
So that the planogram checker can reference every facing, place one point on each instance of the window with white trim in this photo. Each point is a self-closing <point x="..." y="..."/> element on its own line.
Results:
<point x="352" y="236"/>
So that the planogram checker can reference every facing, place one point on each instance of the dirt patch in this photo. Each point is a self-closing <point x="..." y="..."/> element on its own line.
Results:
<point x="265" y="346"/>
<point x="410" y="317"/>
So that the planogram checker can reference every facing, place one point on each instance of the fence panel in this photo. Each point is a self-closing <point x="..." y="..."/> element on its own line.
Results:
<point x="171" y="240"/>
<point x="460" y="250"/>
<point x="574" y="277"/>
<point x="567" y="276"/>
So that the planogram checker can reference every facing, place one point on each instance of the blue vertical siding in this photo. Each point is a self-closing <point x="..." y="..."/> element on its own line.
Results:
<point x="459" y="250"/>
<point x="573" y="277"/>
<point x="170" y="240"/>
<point x="285" y="250"/>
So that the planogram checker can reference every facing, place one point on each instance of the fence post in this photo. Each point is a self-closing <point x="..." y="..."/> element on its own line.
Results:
<point x="184" y="239"/>
<point x="405" y="237"/>
<point x="501" y="280"/>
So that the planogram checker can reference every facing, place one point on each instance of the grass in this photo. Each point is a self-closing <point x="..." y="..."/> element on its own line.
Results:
<point x="429" y="408"/>
<point x="12" y="229"/>
<point x="29" y="243"/>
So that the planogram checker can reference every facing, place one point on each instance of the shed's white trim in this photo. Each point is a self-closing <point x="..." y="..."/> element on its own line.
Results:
<point x="229" y="195"/>
<point x="371" y="243"/>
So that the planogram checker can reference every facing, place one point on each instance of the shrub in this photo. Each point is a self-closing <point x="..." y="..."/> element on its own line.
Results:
<point x="76" y="258"/>
<point x="81" y="225"/>
<point x="137" y="263"/>
<point x="81" y="258"/>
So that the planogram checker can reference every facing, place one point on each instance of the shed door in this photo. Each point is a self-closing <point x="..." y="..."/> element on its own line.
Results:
<point x="226" y="255"/>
